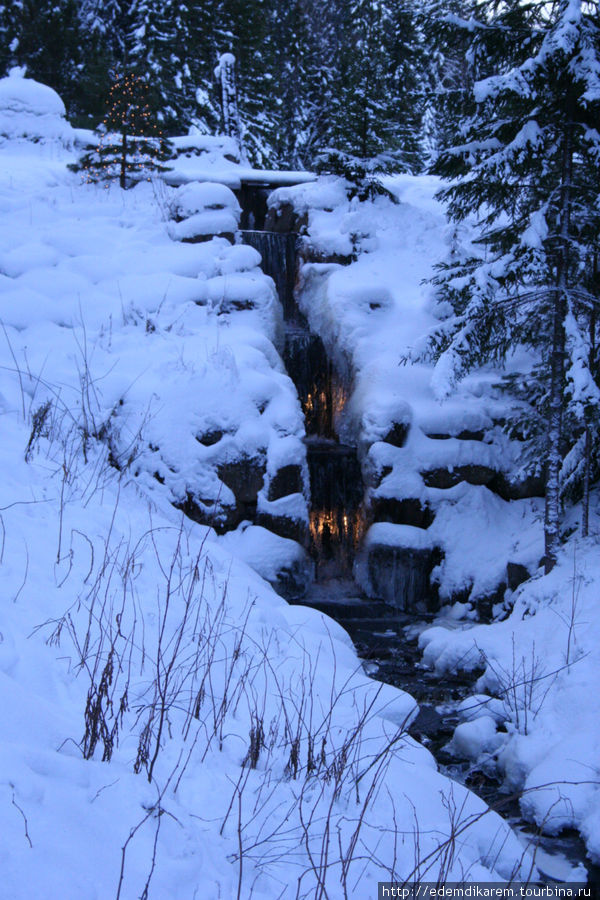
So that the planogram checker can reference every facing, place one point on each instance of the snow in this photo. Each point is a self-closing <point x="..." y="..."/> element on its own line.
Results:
<point x="199" y="196"/>
<point x="205" y="223"/>
<point x="472" y="739"/>
<point x="388" y="534"/>
<point x="30" y="110"/>
<point x="206" y="158"/>
<point x="542" y="664"/>
<point x="120" y="350"/>
<point x="266" y="552"/>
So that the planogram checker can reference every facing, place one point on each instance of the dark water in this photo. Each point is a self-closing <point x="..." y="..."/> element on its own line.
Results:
<point x="336" y="498"/>
<point x="279" y="258"/>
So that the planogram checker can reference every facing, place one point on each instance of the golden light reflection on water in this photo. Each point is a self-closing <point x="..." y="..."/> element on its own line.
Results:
<point x="323" y="407"/>
<point x="335" y="536"/>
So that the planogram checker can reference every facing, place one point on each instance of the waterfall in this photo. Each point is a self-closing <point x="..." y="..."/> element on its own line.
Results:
<point x="336" y="496"/>
<point x="278" y="252"/>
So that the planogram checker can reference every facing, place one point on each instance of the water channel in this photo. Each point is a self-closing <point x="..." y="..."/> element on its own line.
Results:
<point x="385" y="638"/>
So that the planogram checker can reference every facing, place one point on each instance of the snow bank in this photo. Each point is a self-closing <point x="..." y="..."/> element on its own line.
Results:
<point x="543" y="665"/>
<point x="168" y="720"/>
<point x="32" y="111"/>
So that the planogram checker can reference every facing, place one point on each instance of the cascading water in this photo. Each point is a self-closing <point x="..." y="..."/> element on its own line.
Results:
<point x="278" y="252"/>
<point x="336" y="498"/>
<point x="335" y="474"/>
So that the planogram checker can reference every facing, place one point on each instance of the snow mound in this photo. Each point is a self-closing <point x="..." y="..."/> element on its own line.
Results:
<point x="199" y="196"/>
<point x="391" y="535"/>
<point x="204" y="209"/>
<point x="32" y="111"/>
<point x="195" y="144"/>
<point x="267" y="553"/>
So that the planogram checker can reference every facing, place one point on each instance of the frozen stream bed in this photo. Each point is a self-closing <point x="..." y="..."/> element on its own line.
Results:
<point x="386" y="641"/>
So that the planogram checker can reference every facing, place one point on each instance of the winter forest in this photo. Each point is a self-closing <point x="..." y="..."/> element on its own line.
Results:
<point x="300" y="405"/>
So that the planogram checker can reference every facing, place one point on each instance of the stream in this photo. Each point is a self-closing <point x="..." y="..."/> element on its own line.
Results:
<point x="386" y="638"/>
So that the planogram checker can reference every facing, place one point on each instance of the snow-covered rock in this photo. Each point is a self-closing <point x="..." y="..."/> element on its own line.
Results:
<point x="203" y="210"/>
<point x="32" y="111"/>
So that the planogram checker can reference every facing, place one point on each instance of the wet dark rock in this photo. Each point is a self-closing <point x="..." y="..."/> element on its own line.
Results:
<point x="287" y="480"/>
<point x="220" y="516"/>
<point x="476" y="474"/>
<point x="228" y="305"/>
<point x="203" y="238"/>
<point x="514" y="489"/>
<point x="471" y="435"/>
<point x="315" y="255"/>
<point x="409" y="511"/>
<point x="516" y="574"/>
<point x="398" y="434"/>
<point x="441" y="478"/>
<point x="373" y="475"/>
<point x="244" y="476"/>
<point x="285" y="526"/>
<point x="284" y="219"/>
<point x="446" y="478"/>
<point x="210" y="437"/>
<point x="463" y="436"/>
<point x="485" y="605"/>
<point x="292" y="581"/>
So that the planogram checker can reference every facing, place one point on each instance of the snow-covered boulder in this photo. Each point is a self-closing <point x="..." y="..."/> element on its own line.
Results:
<point x="202" y="210"/>
<point x="31" y="111"/>
<point x="196" y="144"/>
<point x="280" y="561"/>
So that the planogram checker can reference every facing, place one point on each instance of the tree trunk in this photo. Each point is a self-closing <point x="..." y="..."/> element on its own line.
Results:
<point x="587" y="458"/>
<point x="122" y="178"/>
<point x="229" y="100"/>
<point x="557" y="363"/>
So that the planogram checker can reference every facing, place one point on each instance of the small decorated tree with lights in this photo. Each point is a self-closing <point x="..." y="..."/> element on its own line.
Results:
<point x="131" y="146"/>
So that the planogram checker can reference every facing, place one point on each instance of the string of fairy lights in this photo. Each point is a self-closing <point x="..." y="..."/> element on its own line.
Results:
<point x="131" y="144"/>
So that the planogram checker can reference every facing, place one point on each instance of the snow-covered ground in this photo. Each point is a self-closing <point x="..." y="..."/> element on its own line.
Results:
<point x="167" y="719"/>
<point x="543" y="666"/>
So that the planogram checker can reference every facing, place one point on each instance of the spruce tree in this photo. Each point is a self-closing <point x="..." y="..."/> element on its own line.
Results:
<point x="293" y="59"/>
<point x="131" y="146"/>
<point x="376" y="103"/>
<point x="524" y="174"/>
<point x="450" y="66"/>
<point x="246" y="32"/>
<point x="195" y="45"/>
<point x="47" y="36"/>
<point x="152" y="41"/>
